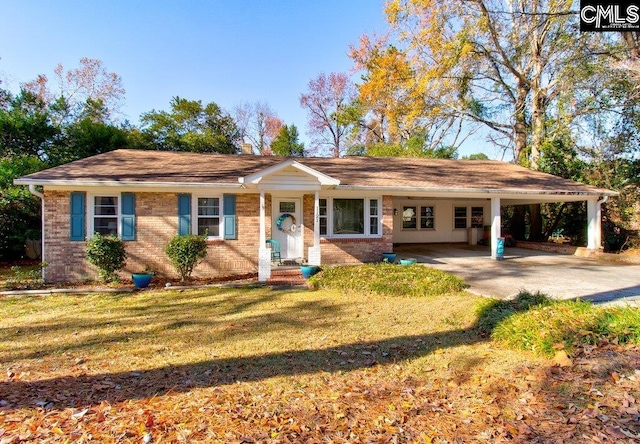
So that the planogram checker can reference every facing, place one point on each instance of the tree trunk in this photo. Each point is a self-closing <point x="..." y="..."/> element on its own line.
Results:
<point x="535" y="221"/>
<point x="518" y="223"/>
<point x="520" y="124"/>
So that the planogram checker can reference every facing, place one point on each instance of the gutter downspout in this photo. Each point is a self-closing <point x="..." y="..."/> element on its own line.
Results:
<point x="38" y="194"/>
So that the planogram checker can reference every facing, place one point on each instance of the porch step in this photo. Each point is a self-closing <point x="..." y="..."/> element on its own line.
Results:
<point x="286" y="276"/>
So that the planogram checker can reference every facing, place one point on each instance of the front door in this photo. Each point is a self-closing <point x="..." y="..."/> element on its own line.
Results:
<point x="286" y="227"/>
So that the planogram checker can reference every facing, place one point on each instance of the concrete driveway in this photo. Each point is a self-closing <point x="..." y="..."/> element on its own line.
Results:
<point x="557" y="275"/>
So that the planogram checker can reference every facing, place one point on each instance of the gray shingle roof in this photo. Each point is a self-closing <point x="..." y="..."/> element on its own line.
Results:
<point x="160" y="167"/>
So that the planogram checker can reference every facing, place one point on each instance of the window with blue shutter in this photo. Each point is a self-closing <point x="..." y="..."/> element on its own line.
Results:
<point x="184" y="214"/>
<point x="128" y="217"/>
<point x="77" y="226"/>
<point x="229" y="216"/>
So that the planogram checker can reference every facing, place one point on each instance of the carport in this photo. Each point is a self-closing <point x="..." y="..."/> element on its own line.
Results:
<point x="560" y="276"/>
<point x="445" y="215"/>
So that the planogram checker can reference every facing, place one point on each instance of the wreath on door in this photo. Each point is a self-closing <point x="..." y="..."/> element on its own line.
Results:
<point x="281" y="220"/>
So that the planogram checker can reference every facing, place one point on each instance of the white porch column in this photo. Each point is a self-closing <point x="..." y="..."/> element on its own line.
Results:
<point x="593" y="224"/>
<point x="314" y="252"/>
<point x="264" y="253"/>
<point x="496" y="222"/>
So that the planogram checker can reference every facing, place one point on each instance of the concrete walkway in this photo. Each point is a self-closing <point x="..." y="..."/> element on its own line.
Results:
<point x="557" y="275"/>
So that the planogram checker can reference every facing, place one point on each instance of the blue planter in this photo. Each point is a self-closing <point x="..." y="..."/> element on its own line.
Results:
<point x="389" y="257"/>
<point x="141" y="280"/>
<point x="409" y="261"/>
<point x="309" y="270"/>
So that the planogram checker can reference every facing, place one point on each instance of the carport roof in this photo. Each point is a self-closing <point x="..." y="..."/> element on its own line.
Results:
<point x="160" y="168"/>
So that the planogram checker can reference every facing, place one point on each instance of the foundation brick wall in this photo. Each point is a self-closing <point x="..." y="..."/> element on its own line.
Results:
<point x="156" y="223"/>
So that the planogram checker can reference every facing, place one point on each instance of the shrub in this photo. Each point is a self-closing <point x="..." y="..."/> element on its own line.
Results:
<point x="185" y="252"/>
<point x="25" y="278"/>
<point x="107" y="253"/>
<point x="538" y="324"/>
<point x="388" y="279"/>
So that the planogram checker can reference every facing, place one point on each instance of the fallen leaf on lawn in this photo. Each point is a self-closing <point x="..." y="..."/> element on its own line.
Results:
<point x="562" y="359"/>
<point x="615" y="376"/>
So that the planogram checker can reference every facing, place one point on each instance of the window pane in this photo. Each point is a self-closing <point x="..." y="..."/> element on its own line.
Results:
<point x="426" y="217"/>
<point x="460" y="217"/>
<point x="348" y="216"/>
<point x="477" y="217"/>
<point x="208" y="206"/>
<point x="373" y="207"/>
<point x="209" y="226"/>
<point x="461" y="212"/>
<point x="323" y="226"/>
<point x="105" y="225"/>
<point x="373" y="225"/>
<point x="323" y="207"/>
<point x="287" y="207"/>
<point x="106" y="206"/>
<point x="409" y="218"/>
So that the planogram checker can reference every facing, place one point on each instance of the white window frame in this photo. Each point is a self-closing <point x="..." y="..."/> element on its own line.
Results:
<point x="432" y="217"/>
<point x="418" y="208"/>
<point x="195" y="216"/>
<point x="91" y="213"/>
<point x="367" y="218"/>
<point x="471" y="207"/>
<point x="466" y="217"/>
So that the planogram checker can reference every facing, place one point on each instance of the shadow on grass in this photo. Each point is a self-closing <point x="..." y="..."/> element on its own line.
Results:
<point x="74" y="391"/>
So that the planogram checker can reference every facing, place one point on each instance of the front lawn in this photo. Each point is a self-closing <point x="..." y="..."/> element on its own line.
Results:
<point x="256" y="365"/>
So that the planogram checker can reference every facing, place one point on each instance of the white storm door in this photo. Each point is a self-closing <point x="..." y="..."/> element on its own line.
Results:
<point x="286" y="226"/>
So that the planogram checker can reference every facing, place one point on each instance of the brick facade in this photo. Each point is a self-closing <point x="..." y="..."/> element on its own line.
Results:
<point x="157" y="222"/>
<point x="354" y="251"/>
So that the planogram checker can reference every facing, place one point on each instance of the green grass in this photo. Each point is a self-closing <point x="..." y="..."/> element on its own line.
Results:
<point x="388" y="279"/>
<point x="535" y="323"/>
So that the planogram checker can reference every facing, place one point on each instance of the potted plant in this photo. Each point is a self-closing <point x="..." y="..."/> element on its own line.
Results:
<point x="388" y="257"/>
<point x="309" y="270"/>
<point x="143" y="278"/>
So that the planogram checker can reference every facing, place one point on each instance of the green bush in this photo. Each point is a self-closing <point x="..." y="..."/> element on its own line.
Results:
<point x="388" y="279"/>
<point x="538" y="324"/>
<point x="107" y="253"/>
<point x="185" y="252"/>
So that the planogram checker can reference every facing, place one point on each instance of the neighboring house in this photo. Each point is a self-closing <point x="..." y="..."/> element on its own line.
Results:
<point x="326" y="211"/>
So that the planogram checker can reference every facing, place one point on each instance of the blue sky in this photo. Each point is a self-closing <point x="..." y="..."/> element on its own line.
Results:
<point x="226" y="51"/>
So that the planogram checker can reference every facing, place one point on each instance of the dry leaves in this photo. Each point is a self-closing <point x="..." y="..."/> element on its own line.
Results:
<point x="594" y="400"/>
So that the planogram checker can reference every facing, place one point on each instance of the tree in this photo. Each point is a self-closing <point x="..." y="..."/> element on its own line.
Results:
<point x="258" y="124"/>
<point x="191" y="127"/>
<point x="89" y="91"/>
<point x="499" y="64"/>
<point x="475" y="156"/>
<point x="416" y="146"/>
<point x="87" y="138"/>
<point x="328" y="101"/>
<point x="286" y="142"/>
<point x="25" y="127"/>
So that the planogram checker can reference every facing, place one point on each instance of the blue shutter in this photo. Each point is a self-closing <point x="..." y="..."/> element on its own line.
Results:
<point x="229" y="216"/>
<point x="77" y="216"/>
<point x="184" y="214"/>
<point x="128" y="217"/>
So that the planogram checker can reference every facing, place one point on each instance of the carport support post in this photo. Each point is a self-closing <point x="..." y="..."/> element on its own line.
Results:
<point x="594" y="217"/>
<point x="264" y="253"/>
<point x="314" y="252"/>
<point x="495" y="226"/>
